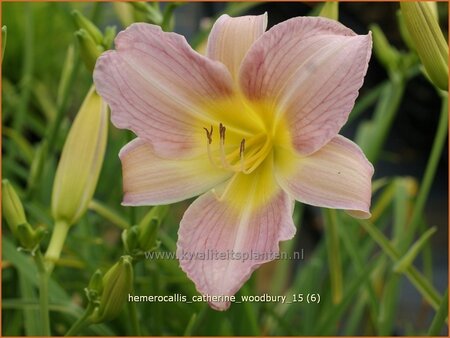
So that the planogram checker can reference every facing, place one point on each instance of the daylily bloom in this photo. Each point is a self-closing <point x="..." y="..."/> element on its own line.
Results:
<point x="250" y="127"/>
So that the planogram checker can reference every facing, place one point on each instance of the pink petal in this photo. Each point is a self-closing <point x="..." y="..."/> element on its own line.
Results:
<point x="155" y="85"/>
<point x="150" y="180"/>
<point x="312" y="69"/>
<point x="231" y="38"/>
<point x="336" y="176"/>
<point x="212" y="228"/>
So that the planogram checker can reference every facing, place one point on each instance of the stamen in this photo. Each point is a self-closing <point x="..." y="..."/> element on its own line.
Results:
<point x="242" y="147"/>
<point x="222" y="130"/>
<point x="209" y="134"/>
<point x="241" y="153"/>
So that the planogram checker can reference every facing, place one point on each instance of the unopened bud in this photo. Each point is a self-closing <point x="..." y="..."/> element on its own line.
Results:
<point x="330" y="10"/>
<point x="81" y="160"/>
<point x="95" y="287"/>
<point x="110" y="34"/>
<point x="149" y="227"/>
<point x="12" y="207"/>
<point x="130" y="239"/>
<point x="428" y="40"/>
<point x="89" y="50"/>
<point x="152" y="13"/>
<point x="125" y="12"/>
<point x="117" y="284"/>
<point x="84" y="23"/>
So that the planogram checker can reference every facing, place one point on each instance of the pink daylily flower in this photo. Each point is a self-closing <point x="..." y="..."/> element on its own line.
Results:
<point x="250" y="127"/>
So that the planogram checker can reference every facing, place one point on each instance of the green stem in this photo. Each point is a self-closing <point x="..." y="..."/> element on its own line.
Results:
<point x="82" y="322"/>
<point x="136" y="331"/>
<point x="430" y="171"/>
<point x="334" y="258"/>
<point x="366" y="101"/>
<point x="109" y="214"/>
<point x="28" y="68"/>
<point x="56" y="244"/>
<point x="43" y="292"/>
<point x="440" y="317"/>
<point x="416" y="278"/>
<point x="385" y="113"/>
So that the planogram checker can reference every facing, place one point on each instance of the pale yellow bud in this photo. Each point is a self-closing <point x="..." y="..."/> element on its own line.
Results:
<point x="422" y="24"/>
<point x="330" y="10"/>
<point x="81" y="160"/>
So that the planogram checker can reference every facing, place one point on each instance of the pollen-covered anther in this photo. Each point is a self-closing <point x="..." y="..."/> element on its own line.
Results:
<point x="233" y="161"/>
<point x="209" y="134"/>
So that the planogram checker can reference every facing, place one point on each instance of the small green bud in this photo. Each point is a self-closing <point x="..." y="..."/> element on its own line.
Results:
<point x="4" y="35"/>
<point x="84" y="23"/>
<point x="95" y="287"/>
<point x="149" y="227"/>
<point x="12" y="207"/>
<point x="14" y="214"/>
<point x="89" y="50"/>
<point x="117" y="284"/>
<point x="124" y="12"/>
<point x="152" y="13"/>
<point x="386" y="54"/>
<point x="330" y="10"/>
<point x="110" y="34"/>
<point x="81" y="160"/>
<point x="130" y="239"/>
<point x="428" y="40"/>
<point x="147" y="236"/>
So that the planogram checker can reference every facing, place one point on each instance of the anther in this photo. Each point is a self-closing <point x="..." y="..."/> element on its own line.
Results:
<point x="241" y="154"/>
<point x="242" y="148"/>
<point x="209" y="134"/>
<point x="222" y="130"/>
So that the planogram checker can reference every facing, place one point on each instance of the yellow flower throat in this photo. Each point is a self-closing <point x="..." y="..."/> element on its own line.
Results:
<point x="245" y="138"/>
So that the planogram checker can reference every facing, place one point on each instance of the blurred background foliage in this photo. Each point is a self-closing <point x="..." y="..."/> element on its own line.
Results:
<point x="370" y="280"/>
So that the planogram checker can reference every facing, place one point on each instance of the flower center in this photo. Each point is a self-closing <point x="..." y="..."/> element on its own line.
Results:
<point x="238" y="156"/>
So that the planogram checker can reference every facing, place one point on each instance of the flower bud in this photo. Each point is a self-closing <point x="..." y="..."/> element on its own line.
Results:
<point x="95" y="287"/>
<point x="117" y="284"/>
<point x="14" y="214"/>
<point x="130" y="239"/>
<point x="89" y="50"/>
<point x="149" y="227"/>
<point x="428" y="40"/>
<point x="124" y="12"/>
<point x="84" y="23"/>
<point x="152" y="13"/>
<point x="81" y="160"/>
<point x="4" y="34"/>
<point x="404" y="31"/>
<point x="330" y="10"/>
<point x="110" y="34"/>
<point x="12" y="207"/>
